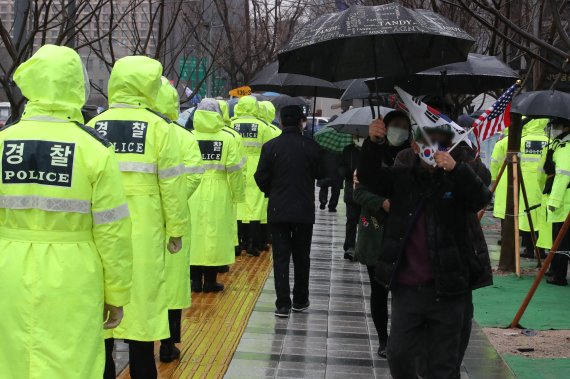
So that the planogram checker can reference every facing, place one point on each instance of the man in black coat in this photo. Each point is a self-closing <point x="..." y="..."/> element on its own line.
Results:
<point x="428" y="260"/>
<point x="286" y="173"/>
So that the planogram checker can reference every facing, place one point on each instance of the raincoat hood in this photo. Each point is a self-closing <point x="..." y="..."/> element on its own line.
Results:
<point x="269" y="114"/>
<point x="53" y="82"/>
<point x="167" y="100"/>
<point x="208" y="121"/>
<point x="536" y="126"/>
<point x="247" y="106"/>
<point x="225" y="112"/>
<point x="135" y="80"/>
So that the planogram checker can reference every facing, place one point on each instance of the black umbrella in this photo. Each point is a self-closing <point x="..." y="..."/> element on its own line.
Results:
<point x="269" y="79"/>
<point x="543" y="104"/>
<point x="372" y="41"/>
<point x="285" y="100"/>
<point x="478" y="74"/>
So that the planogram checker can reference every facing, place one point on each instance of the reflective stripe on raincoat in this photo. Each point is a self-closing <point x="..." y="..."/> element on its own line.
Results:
<point x="212" y="205"/>
<point x="254" y="133"/>
<point x="65" y="232"/>
<point x="176" y="265"/>
<point x="149" y="159"/>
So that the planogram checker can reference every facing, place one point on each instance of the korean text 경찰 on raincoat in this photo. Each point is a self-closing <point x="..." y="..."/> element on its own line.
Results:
<point x="176" y="265"/>
<point x="149" y="159"/>
<point x="212" y="205"/>
<point x="65" y="232"/>
<point x="254" y="133"/>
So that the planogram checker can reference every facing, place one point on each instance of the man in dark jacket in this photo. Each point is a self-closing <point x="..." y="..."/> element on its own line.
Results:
<point x="429" y="261"/>
<point x="331" y="179"/>
<point x="349" y="163"/>
<point x="287" y="170"/>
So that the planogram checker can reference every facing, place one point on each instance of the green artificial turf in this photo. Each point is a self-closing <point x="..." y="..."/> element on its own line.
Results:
<point x="540" y="368"/>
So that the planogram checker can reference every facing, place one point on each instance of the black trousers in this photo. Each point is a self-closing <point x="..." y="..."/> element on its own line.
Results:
<point x="141" y="360"/>
<point x="204" y="274"/>
<point x="335" y="187"/>
<point x="378" y="306"/>
<point x="352" y="216"/>
<point x="291" y="239"/>
<point x="174" y="324"/>
<point x="427" y="328"/>
<point x="251" y="236"/>
<point x="560" y="261"/>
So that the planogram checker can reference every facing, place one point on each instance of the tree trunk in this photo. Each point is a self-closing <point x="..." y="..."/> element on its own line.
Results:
<point x="507" y="259"/>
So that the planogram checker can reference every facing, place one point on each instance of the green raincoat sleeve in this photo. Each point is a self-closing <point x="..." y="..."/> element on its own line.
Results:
<point x="168" y="181"/>
<point x="112" y="232"/>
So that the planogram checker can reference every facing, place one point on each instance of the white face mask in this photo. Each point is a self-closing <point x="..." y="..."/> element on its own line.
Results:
<point x="555" y="132"/>
<point x="397" y="136"/>
<point x="358" y="141"/>
<point x="427" y="153"/>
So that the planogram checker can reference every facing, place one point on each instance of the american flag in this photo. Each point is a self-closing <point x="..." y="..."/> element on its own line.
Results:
<point x="496" y="118"/>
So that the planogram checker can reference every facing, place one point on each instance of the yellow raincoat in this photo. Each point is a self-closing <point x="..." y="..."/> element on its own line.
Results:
<point x="532" y="142"/>
<point x="556" y="204"/>
<point x="254" y="133"/>
<point x="227" y="126"/>
<point x="176" y="265"/>
<point x="65" y="232"/>
<point x="149" y="159"/>
<point x="212" y="205"/>
<point x="267" y="114"/>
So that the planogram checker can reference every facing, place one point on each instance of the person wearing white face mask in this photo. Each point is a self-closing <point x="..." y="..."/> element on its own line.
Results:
<point x="424" y="258"/>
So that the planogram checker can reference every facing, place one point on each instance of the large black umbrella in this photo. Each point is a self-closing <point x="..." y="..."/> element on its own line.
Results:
<point x="478" y="74"/>
<point x="543" y="104"/>
<point x="374" y="41"/>
<point x="269" y="79"/>
<point x="356" y="90"/>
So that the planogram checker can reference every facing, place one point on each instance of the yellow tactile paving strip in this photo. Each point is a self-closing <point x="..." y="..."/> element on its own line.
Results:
<point x="213" y="326"/>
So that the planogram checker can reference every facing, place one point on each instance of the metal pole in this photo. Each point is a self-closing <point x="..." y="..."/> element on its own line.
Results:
<point x="540" y="275"/>
<point x="314" y="110"/>
<point x="529" y="218"/>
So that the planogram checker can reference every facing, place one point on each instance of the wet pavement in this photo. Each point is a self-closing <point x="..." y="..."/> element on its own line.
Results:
<point x="336" y="337"/>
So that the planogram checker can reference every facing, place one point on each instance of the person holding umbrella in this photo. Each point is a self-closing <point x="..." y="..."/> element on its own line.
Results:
<point x="423" y="260"/>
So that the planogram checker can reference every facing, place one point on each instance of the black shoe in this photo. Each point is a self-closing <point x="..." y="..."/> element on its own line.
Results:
<point x="282" y="312"/>
<point x="382" y="351"/>
<point x="301" y="307"/>
<point x="254" y="253"/>
<point x="223" y="269"/>
<point x="548" y="274"/>
<point x="168" y="353"/>
<point x="213" y="287"/>
<point x="332" y="210"/>
<point x="349" y="254"/>
<point x="238" y="251"/>
<point x="322" y="206"/>
<point x="527" y="254"/>
<point x="196" y="287"/>
<point x="557" y="281"/>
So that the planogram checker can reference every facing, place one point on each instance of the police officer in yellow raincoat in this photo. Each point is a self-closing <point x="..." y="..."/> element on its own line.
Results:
<point x="250" y="213"/>
<point x="65" y="232"/>
<point x="556" y="178"/>
<point x="533" y="141"/>
<point x="267" y="114"/>
<point x="224" y="108"/>
<point x="212" y="205"/>
<point x="149" y="159"/>
<point x="176" y="265"/>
